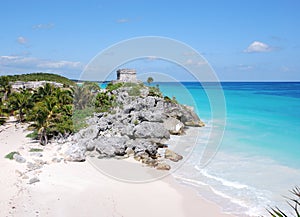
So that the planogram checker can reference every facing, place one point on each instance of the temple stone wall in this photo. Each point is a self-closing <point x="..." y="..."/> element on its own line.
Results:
<point x="126" y="75"/>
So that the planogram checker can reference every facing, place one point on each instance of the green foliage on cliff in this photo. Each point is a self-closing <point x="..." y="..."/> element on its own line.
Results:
<point x="134" y="91"/>
<point x="41" y="77"/>
<point x="91" y="86"/>
<point x="104" y="102"/>
<point x="82" y="97"/>
<point x="154" y="91"/>
<point x="80" y="116"/>
<point x="168" y="99"/>
<point x="111" y="86"/>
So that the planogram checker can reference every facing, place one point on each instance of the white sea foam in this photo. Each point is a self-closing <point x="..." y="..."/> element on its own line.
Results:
<point x="224" y="182"/>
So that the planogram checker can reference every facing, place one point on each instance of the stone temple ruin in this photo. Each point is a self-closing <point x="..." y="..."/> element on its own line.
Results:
<point x="126" y="75"/>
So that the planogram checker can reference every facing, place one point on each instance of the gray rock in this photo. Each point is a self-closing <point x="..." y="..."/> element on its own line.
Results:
<point x="190" y="118"/>
<point x="144" y="92"/>
<point x="102" y="125"/>
<point x="148" y="160"/>
<point x="128" y="109"/>
<point x="33" y="180"/>
<point x="174" y="126"/>
<point x="89" y="132"/>
<point x="141" y="146"/>
<point x="127" y="130"/>
<point x="19" y="158"/>
<point x="90" y="145"/>
<point x="56" y="160"/>
<point x="171" y="155"/>
<point x="194" y="124"/>
<point x="129" y="151"/>
<point x="151" y="130"/>
<point x="25" y="177"/>
<point x="151" y="116"/>
<point x="111" y="146"/>
<point x="83" y="142"/>
<point x="163" y="166"/>
<point x="149" y="102"/>
<point x="121" y="96"/>
<point x="159" y="104"/>
<point x="75" y="153"/>
<point x="33" y="166"/>
<point x="36" y="154"/>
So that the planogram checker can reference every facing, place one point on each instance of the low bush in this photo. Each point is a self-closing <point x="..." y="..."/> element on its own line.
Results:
<point x="35" y="150"/>
<point x="10" y="155"/>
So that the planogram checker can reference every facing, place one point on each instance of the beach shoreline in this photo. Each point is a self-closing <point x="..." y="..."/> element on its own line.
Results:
<point x="78" y="189"/>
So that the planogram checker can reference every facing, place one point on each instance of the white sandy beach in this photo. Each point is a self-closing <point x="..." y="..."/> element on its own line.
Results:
<point x="78" y="189"/>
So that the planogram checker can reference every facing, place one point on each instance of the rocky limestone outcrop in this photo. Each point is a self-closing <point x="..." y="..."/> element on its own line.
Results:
<point x="138" y="126"/>
<point x="171" y="155"/>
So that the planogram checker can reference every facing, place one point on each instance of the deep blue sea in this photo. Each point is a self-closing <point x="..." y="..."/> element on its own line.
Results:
<point x="258" y="161"/>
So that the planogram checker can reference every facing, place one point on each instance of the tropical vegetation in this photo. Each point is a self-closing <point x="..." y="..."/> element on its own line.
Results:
<point x="41" y="77"/>
<point x="55" y="111"/>
<point x="150" y="80"/>
<point x="48" y="109"/>
<point x="293" y="202"/>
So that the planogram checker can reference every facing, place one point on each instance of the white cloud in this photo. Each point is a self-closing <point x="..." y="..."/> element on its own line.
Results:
<point x="123" y="20"/>
<point x="243" y="67"/>
<point x="285" y="69"/>
<point x="43" y="26"/>
<point x="191" y="62"/>
<point x="258" y="47"/>
<point x="35" y="64"/>
<point x="151" y="58"/>
<point x="59" y="64"/>
<point x="21" y="40"/>
<point x="8" y="58"/>
<point x="190" y="53"/>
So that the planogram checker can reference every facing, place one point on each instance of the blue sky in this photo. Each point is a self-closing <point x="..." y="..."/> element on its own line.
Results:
<point x="242" y="40"/>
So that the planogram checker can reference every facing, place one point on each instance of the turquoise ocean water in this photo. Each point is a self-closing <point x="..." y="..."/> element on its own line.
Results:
<point x="259" y="158"/>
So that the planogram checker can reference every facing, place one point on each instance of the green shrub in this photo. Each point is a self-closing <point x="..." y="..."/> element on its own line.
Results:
<point x="104" y="102"/>
<point x="33" y="135"/>
<point x="80" y="116"/>
<point x="35" y="150"/>
<point x="134" y="91"/>
<point x="2" y="120"/>
<point x="130" y="84"/>
<point x="113" y="86"/>
<point x="154" y="91"/>
<point x="10" y="156"/>
<point x="168" y="99"/>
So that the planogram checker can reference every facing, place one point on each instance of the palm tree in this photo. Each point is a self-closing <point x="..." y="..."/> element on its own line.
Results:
<point x="42" y="92"/>
<point x="21" y="102"/>
<point x="64" y="97"/>
<point x="91" y="86"/>
<point x="294" y="203"/>
<point x="82" y="97"/>
<point x="149" y="80"/>
<point x="5" y="87"/>
<point x="3" y="113"/>
<point x="45" y="113"/>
